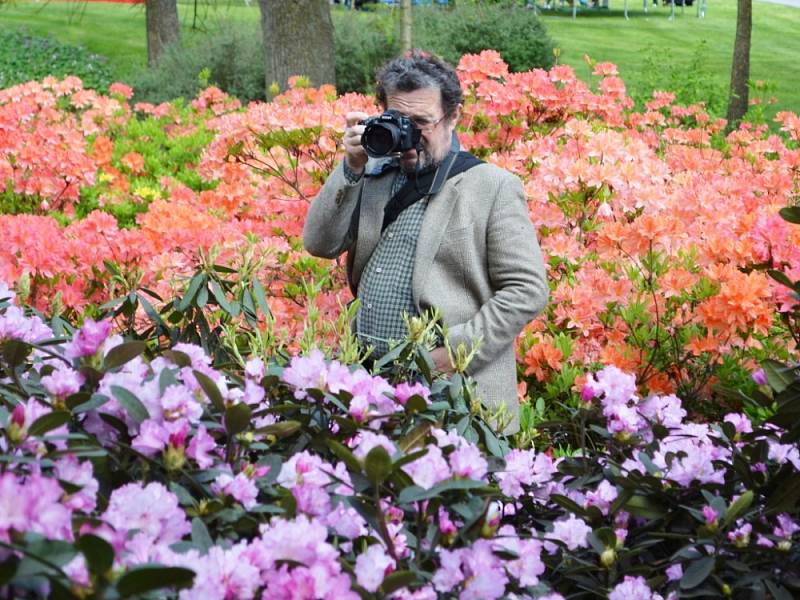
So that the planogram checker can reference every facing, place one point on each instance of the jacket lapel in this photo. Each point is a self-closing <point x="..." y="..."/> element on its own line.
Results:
<point x="434" y="224"/>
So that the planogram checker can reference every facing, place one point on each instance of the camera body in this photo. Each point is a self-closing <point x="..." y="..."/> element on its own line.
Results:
<point x="389" y="133"/>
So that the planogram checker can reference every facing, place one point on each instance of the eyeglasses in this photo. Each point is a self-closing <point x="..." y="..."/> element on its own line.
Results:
<point x="425" y="124"/>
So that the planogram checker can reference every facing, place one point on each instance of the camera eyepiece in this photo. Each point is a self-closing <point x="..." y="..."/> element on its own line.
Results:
<point x="389" y="133"/>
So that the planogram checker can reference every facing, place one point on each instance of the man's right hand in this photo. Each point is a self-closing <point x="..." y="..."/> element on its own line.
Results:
<point x="355" y="155"/>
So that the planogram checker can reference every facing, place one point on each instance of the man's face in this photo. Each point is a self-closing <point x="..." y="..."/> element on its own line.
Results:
<point x="424" y="108"/>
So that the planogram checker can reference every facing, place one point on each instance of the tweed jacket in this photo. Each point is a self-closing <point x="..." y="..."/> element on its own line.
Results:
<point x="477" y="260"/>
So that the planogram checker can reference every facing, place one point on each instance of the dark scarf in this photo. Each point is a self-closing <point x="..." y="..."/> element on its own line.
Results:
<point x="418" y="185"/>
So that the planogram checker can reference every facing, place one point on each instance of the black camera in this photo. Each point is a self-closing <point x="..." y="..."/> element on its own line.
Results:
<point x="389" y="133"/>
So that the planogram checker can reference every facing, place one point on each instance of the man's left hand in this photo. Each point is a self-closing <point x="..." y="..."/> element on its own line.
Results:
<point x="441" y="360"/>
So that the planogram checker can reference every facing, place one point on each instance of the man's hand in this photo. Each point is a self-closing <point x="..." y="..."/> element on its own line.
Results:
<point x="441" y="360"/>
<point x="355" y="155"/>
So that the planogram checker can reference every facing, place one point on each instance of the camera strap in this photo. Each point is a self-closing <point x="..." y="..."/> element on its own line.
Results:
<point x="444" y="169"/>
<point x="428" y="182"/>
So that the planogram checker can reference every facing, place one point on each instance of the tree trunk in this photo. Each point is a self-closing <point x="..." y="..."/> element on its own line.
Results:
<point x="298" y="40"/>
<point x="163" y="28"/>
<point x="405" y="26"/>
<point x="740" y="70"/>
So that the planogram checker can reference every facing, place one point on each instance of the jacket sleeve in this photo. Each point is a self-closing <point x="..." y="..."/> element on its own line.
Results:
<point x="516" y="273"/>
<point x="326" y="232"/>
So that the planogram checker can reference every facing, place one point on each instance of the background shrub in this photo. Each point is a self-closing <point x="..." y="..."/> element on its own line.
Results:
<point x="24" y="57"/>
<point x="516" y="33"/>
<point x="231" y="57"/>
<point x="364" y="41"/>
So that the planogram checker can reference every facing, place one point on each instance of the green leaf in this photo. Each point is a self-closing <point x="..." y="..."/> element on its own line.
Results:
<point x="779" y="376"/>
<point x="399" y="579"/>
<point x="134" y="407"/>
<point x="786" y="497"/>
<point x="737" y="507"/>
<point x="141" y="580"/>
<point x="782" y="278"/>
<point x="791" y="214"/>
<point x="415" y="437"/>
<point x="95" y="401"/>
<point x="98" y="552"/>
<point x="194" y="285"/>
<point x="211" y="390"/>
<point x="378" y="465"/>
<point x="200" y="536"/>
<point x="261" y="298"/>
<point x="697" y="572"/>
<point x="178" y="358"/>
<point x="415" y="493"/>
<point x="415" y="404"/>
<point x="280" y="430"/>
<point x="344" y="454"/>
<point x="119" y="355"/>
<point x="8" y="568"/>
<point x="14" y="352"/>
<point x="569" y="504"/>
<point x="48" y="422"/>
<point x="237" y="418"/>
<point x="219" y="296"/>
<point x="642" y="506"/>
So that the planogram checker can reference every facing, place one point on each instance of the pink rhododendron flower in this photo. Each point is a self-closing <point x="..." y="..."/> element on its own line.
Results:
<point x="740" y="421"/>
<point x="240" y="487"/>
<point x="33" y="503"/>
<point x="89" y="338"/>
<point x="741" y="535"/>
<point x="665" y="410"/>
<point x="151" y="509"/>
<point x="403" y="391"/>
<point x="63" y="381"/>
<point x="367" y="440"/>
<point x="528" y="567"/>
<point x="70" y="469"/>
<point x="710" y="515"/>
<point x="572" y="531"/>
<point x="372" y="566"/>
<point x="429" y="469"/>
<point x="602" y="497"/>
<point x="674" y="572"/>
<point x="222" y="573"/>
<point x="201" y="448"/>
<point x="468" y="462"/>
<point x="14" y="325"/>
<point x="518" y="472"/>
<point x="632" y="588"/>
<point x="760" y="377"/>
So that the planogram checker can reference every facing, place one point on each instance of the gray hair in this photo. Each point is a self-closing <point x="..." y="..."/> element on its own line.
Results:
<point x="417" y="70"/>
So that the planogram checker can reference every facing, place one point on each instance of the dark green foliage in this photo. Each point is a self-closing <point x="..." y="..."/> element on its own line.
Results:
<point x="364" y="41"/>
<point x="24" y="57"/>
<point x="230" y="57"/>
<point x="516" y="33"/>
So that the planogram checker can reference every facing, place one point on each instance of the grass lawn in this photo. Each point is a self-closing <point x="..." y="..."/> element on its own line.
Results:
<point x="650" y="42"/>
<point x="647" y="48"/>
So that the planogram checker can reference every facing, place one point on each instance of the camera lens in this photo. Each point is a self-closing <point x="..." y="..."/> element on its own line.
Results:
<point x="380" y="139"/>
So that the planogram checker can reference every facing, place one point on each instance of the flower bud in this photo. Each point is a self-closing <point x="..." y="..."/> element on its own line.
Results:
<point x="784" y="545"/>
<point x="174" y="458"/>
<point x="607" y="558"/>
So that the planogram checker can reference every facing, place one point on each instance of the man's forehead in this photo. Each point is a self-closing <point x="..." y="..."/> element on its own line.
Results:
<point x="417" y="102"/>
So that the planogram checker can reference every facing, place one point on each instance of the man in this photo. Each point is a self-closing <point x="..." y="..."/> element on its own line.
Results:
<point x="468" y="249"/>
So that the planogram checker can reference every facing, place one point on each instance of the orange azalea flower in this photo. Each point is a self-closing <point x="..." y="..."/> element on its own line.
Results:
<point x="134" y="162"/>
<point x="542" y="355"/>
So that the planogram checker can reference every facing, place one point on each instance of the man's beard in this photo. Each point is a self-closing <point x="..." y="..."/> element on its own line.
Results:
<point x="423" y="160"/>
